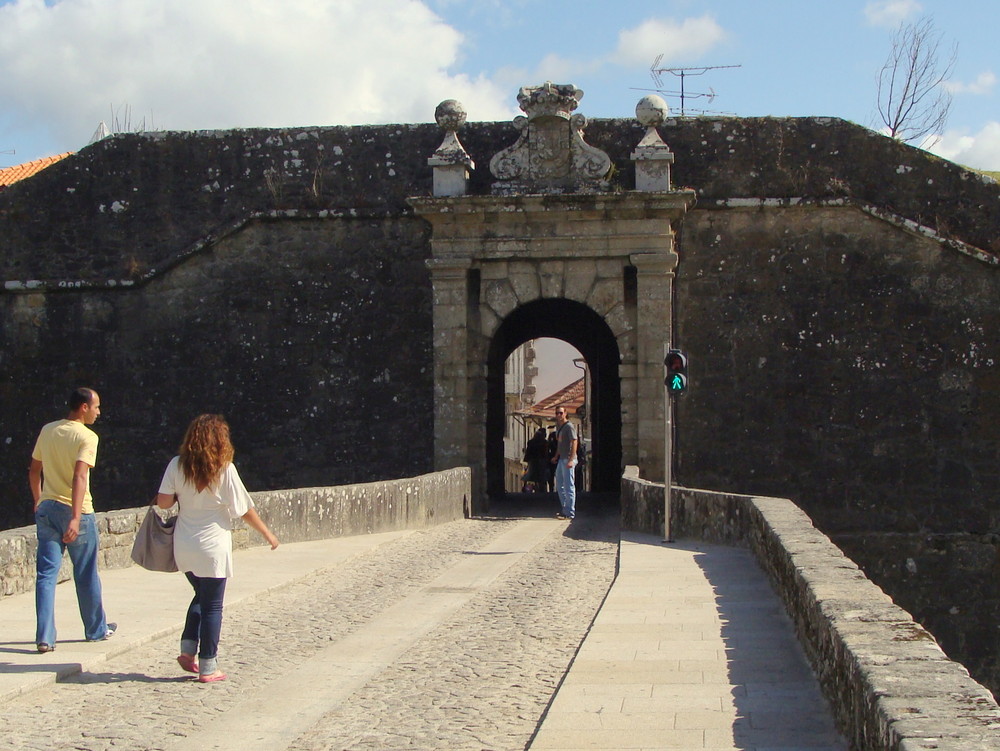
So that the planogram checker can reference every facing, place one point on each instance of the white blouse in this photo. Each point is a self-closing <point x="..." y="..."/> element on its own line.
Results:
<point x="203" y="540"/>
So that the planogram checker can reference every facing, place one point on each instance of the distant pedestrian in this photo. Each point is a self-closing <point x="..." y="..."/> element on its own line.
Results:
<point x="59" y="476"/>
<point x="203" y="481"/>
<point x="536" y="454"/>
<point x="553" y="450"/>
<point x="565" y="462"/>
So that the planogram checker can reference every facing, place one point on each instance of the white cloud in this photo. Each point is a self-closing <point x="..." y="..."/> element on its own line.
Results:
<point x="677" y="42"/>
<point x="983" y="84"/>
<point x="638" y="46"/>
<point x="204" y="64"/>
<point x="891" y="13"/>
<point x="980" y="150"/>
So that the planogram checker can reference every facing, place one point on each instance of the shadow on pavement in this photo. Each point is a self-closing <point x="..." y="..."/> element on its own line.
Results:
<point x="129" y="678"/>
<point x="545" y="505"/>
<point x="597" y="514"/>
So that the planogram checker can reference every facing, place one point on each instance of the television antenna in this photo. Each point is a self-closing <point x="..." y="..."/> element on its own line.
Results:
<point x="682" y="73"/>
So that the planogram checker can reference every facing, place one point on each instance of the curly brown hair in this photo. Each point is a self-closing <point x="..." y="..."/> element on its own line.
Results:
<point x="206" y="450"/>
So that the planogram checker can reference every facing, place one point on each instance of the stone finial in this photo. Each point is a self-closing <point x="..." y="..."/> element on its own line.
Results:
<point x="652" y="156"/>
<point x="550" y="155"/>
<point x="451" y="162"/>
<point x="450" y="115"/>
<point x="549" y="100"/>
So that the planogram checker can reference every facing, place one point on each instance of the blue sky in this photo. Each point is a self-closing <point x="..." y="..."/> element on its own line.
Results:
<point x="66" y="65"/>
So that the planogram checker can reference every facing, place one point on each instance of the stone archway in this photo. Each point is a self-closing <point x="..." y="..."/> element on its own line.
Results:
<point x="492" y="255"/>
<point x="584" y="329"/>
<point x="553" y="236"/>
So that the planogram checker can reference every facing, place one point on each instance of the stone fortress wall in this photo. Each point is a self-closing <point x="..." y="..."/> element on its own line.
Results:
<point x="836" y="294"/>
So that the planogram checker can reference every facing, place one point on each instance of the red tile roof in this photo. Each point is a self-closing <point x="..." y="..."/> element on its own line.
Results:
<point x="571" y="397"/>
<point x="11" y="175"/>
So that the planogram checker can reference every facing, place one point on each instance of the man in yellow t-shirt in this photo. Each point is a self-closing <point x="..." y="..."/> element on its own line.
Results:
<point x="59" y="477"/>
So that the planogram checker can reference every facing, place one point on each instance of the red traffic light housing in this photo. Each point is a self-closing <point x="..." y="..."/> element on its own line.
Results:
<point x="676" y="363"/>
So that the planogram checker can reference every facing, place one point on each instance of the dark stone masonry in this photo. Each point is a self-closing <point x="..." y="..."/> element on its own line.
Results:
<point x="837" y="295"/>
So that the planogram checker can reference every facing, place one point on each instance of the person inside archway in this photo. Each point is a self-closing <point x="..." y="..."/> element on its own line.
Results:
<point x="553" y="445"/>
<point x="536" y="454"/>
<point x="565" y="460"/>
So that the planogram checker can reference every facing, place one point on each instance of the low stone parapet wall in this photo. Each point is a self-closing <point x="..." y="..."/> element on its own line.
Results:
<point x="889" y="683"/>
<point x="293" y="515"/>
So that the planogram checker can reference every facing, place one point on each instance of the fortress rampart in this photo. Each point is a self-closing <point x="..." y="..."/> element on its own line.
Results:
<point x="835" y="292"/>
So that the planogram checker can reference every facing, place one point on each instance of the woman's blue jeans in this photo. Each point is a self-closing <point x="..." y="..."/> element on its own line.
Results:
<point x="203" y="624"/>
<point x="51" y="520"/>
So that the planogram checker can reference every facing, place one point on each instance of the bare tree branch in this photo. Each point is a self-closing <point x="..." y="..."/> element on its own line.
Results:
<point x="913" y="102"/>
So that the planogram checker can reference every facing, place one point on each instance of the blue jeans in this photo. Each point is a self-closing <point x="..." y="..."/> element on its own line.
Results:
<point x="203" y="625"/>
<point x="51" y="520"/>
<point x="566" y="487"/>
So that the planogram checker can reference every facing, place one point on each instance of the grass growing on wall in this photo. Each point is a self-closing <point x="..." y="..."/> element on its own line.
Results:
<point x="988" y="173"/>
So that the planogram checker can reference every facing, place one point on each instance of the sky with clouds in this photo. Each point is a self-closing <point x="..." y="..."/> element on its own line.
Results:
<point x="67" y="65"/>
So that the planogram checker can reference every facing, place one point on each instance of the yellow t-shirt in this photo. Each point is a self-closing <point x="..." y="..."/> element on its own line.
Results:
<point x="60" y="445"/>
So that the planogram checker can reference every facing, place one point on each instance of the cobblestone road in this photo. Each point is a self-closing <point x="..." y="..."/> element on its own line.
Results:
<point x="480" y="680"/>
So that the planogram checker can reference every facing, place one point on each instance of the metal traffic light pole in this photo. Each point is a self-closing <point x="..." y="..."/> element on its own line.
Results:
<point x="675" y="383"/>
<point x="668" y="443"/>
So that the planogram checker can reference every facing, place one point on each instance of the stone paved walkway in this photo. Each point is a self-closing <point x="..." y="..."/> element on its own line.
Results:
<point x="691" y="650"/>
<point x="457" y="637"/>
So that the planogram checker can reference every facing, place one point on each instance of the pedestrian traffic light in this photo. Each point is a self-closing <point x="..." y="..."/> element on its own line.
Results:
<point x="676" y="363"/>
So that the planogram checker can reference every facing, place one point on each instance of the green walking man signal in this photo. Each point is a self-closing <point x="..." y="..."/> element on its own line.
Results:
<point x="676" y="363"/>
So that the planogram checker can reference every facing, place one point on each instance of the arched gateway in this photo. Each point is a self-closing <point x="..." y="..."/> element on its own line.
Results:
<point x="552" y="252"/>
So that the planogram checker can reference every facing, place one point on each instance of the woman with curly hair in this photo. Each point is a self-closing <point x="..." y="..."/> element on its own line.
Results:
<point x="209" y="491"/>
